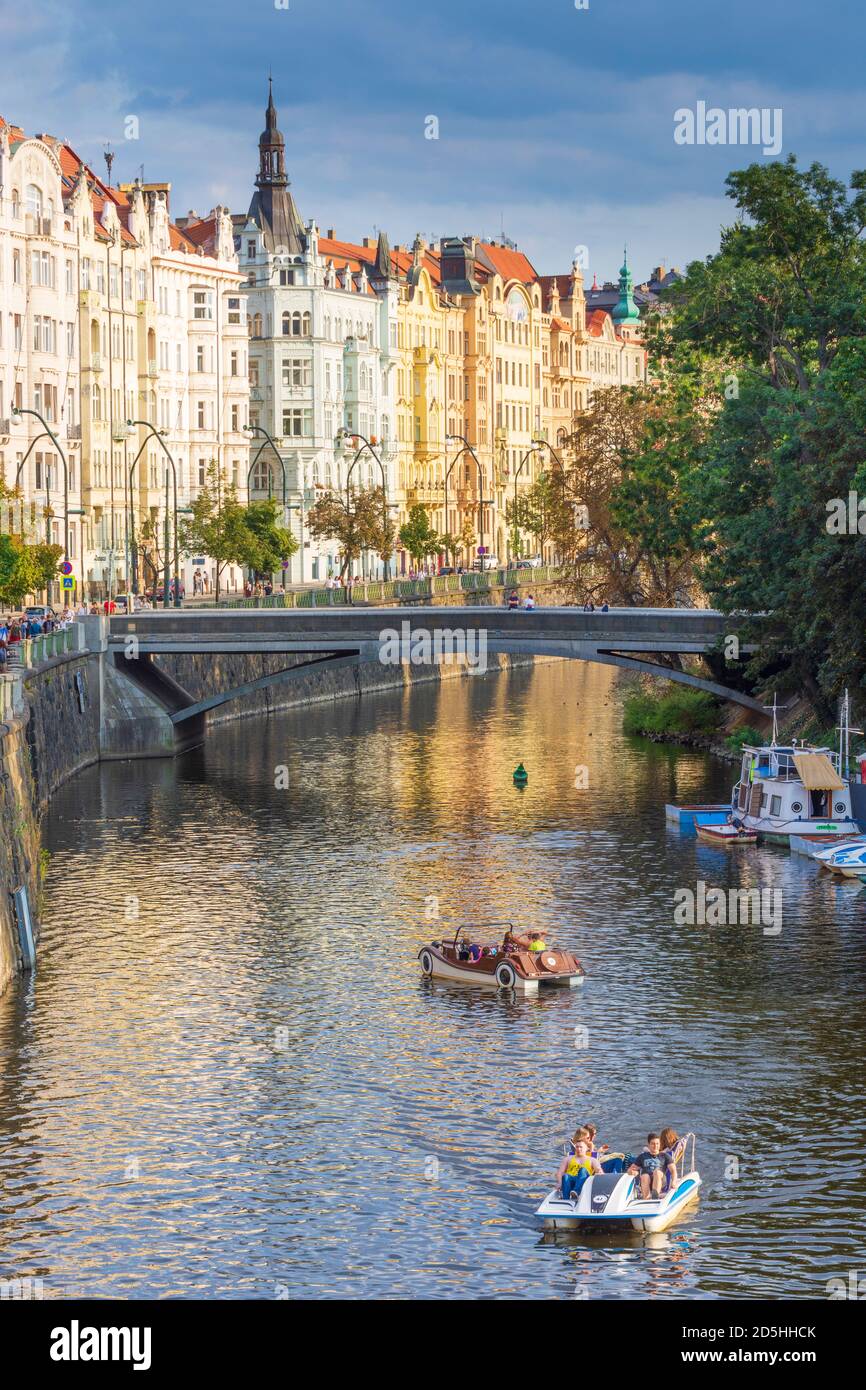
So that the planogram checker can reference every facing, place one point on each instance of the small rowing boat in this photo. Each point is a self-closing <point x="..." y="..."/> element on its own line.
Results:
<point x="725" y="834"/>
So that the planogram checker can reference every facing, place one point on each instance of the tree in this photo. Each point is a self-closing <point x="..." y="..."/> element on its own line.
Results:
<point x="418" y="537"/>
<point x="763" y="351"/>
<point x="274" y="543"/>
<point x="357" y="524"/>
<point x="544" y="510"/>
<point x="17" y="571"/>
<point x="468" y="538"/>
<point x="218" y="527"/>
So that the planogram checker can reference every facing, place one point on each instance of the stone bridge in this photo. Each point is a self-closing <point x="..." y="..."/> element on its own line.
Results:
<point x="633" y="638"/>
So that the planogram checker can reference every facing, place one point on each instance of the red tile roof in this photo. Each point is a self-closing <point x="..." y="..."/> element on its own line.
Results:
<point x="511" y="265"/>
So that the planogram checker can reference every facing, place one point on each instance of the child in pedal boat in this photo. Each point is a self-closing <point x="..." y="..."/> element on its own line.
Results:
<point x="577" y="1166"/>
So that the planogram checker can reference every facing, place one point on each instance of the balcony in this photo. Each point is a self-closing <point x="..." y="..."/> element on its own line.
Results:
<point x="37" y="226"/>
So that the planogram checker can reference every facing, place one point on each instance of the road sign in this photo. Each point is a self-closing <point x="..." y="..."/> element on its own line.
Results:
<point x="68" y="581"/>
<point x="482" y="550"/>
<point x="285" y="564"/>
<point x="66" y="567"/>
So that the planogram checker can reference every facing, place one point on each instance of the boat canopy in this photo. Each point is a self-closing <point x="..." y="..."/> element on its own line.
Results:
<point x="817" y="773"/>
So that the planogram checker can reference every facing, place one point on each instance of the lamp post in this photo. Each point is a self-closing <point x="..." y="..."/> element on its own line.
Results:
<point x="47" y="430"/>
<point x="534" y="448"/>
<point x="269" y="443"/>
<point x="166" y="588"/>
<point x="468" y="449"/>
<point x="366" y="445"/>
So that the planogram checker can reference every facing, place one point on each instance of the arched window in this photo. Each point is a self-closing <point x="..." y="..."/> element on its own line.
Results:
<point x="33" y="200"/>
<point x="306" y="325"/>
<point x="296" y="325"/>
<point x="257" y="325"/>
<point x="16" y="203"/>
<point x="287" y="319"/>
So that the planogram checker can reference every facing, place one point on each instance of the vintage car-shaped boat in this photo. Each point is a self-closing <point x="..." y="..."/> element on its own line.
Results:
<point x="497" y="965"/>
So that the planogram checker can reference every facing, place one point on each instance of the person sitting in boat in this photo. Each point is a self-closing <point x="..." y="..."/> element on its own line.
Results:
<point x="610" y="1162"/>
<point x="650" y="1166"/>
<point x="463" y="952"/>
<point x="511" y="942"/>
<point x="577" y="1166"/>
<point x="673" y="1148"/>
<point x="474" y="951"/>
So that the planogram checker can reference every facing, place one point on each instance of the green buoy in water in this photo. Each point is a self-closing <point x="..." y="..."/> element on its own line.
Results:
<point x="520" y="775"/>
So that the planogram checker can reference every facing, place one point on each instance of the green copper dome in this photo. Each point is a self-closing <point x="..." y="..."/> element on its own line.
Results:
<point x="626" y="311"/>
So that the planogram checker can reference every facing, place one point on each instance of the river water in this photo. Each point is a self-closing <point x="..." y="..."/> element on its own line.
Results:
<point x="228" y="1078"/>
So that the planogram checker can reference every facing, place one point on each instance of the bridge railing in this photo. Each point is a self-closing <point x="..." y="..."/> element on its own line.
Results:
<point x="382" y="590"/>
<point x="33" y="651"/>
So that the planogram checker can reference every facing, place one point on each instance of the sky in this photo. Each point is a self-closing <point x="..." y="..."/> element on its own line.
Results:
<point x="555" y="123"/>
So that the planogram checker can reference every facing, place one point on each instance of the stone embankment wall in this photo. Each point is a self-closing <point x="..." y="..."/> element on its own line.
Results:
<point x="53" y="735"/>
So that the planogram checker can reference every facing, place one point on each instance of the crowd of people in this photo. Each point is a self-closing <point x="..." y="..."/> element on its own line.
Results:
<point x="17" y="628"/>
<point x="655" y="1166"/>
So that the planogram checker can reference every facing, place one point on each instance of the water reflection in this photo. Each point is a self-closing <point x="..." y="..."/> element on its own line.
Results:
<point x="228" y="1076"/>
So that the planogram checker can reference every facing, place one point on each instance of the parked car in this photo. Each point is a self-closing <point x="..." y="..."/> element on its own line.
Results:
<point x="522" y="565"/>
<point x="40" y="611"/>
<point x="486" y="562"/>
<point x="448" y="569"/>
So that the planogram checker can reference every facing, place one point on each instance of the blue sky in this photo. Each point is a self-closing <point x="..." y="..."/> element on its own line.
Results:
<point x="555" y="123"/>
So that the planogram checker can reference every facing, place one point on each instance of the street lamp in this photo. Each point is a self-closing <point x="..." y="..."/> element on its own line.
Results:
<point x="269" y="443"/>
<point x="46" y="430"/>
<point x="343" y="433"/>
<point x="166" y="587"/>
<point x="468" y="449"/>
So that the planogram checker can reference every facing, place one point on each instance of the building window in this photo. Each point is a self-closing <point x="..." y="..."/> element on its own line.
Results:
<point x="297" y="423"/>
<point x="202" y="302"/>
<point x="234" y="307"/>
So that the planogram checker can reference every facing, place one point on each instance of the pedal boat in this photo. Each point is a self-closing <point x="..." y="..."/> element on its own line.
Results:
<point x="613" y="1201"/>
<point x="521" y="970"/>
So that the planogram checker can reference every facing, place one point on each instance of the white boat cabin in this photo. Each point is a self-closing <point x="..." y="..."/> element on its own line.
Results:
<point x="792" y="790"/>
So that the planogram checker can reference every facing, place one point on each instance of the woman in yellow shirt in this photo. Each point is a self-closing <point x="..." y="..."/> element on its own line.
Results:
<point x="576" y="1167"/>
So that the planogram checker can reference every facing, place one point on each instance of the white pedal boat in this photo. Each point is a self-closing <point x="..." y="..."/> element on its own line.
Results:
<point x="613" y="1200"/>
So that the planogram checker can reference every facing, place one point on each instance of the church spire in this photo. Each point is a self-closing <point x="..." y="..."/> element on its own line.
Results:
<point x="626" y="310"/>
<point x="272" y="147"/>
<point x="273" y="207"/>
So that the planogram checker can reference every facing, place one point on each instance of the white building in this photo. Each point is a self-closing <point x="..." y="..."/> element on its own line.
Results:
<point x="319" y="314"/>
<point x="109" y="312"/>
<point x="39" y="358"/>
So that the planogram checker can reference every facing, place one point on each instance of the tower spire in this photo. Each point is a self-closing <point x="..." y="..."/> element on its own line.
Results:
<point x="272" y="146"/>
<point x="626" y="310"/>
<point x="273" y="207"/>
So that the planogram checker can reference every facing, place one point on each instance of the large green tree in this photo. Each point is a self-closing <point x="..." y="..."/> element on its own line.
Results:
<point x="760" y="423"/>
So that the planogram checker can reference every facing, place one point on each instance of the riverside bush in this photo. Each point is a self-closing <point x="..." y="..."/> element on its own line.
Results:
<point x="676" y="712"/>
